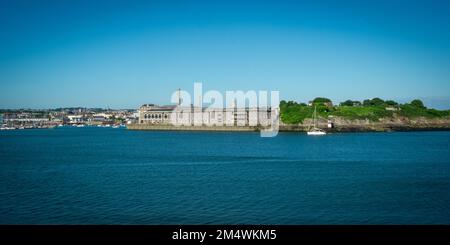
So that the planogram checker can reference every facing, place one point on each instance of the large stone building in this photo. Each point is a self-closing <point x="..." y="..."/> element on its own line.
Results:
<point x="197" y="116"/>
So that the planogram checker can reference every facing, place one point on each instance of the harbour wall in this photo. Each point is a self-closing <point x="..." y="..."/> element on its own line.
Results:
<point x="339" y="125"/>
<point x="191" y="128"/>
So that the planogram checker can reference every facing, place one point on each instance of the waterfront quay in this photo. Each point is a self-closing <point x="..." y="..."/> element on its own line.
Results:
<point x="169" y="127"/>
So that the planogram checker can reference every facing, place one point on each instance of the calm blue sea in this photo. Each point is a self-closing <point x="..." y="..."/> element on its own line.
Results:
<point x="116" y="176"/>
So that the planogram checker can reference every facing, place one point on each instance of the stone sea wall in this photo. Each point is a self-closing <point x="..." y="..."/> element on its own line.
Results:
<point x="339" y="125"/>
<point x="190" y="128"/>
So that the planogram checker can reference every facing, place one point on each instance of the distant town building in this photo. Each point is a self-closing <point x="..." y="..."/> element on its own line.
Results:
<point x="76" y="119"/>
<point x="330" y="124"/>
<point x="24" y="118"/>
<point x="101" y="117"/>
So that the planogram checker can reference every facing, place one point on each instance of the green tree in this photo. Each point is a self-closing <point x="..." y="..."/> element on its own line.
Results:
<point x="346" y="103"/>
<point x="391" y="103"/>
<point x="417" y="104"/>
<point x="350" y="103"/>
<point x="377" y="102"/>
<point x="321" y="100"/>
<point x="366" y="103"/>
<point x="374" y="102"/>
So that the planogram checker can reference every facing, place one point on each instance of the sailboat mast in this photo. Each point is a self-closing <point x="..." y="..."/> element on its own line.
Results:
<point x="316" y="130"/>
<point x="315" y="115"/>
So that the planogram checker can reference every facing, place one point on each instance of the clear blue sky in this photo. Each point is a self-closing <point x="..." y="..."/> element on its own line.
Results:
<point x="121" y="54"/>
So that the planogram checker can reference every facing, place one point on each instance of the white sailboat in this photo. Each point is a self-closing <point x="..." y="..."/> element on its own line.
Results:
<point x="315" y="130"/>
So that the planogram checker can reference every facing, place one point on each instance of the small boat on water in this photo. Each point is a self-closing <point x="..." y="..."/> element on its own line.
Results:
<point x="115" y="126"/>
<point x="315" y="130"/>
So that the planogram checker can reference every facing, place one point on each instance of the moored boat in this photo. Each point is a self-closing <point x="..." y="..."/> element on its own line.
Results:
<point x="315" y="130"/>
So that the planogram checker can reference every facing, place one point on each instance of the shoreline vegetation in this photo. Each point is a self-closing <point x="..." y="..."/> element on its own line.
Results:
<point x="373" y="110"/>
<point x="369" y="115"/>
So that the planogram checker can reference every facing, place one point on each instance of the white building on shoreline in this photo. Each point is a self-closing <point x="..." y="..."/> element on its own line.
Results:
<point x="196" y="116"/>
